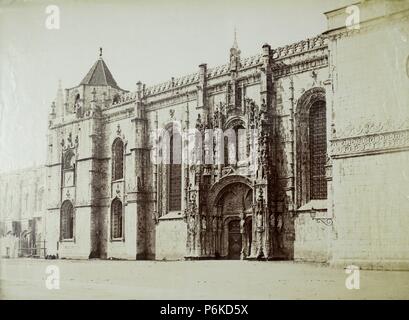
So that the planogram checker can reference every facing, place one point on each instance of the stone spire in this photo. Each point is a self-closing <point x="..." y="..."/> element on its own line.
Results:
<point x="235" y="45"/>
<point x="235" y="54"/>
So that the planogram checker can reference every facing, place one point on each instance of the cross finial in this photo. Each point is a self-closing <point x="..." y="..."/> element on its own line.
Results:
<point x="100" y="52"/>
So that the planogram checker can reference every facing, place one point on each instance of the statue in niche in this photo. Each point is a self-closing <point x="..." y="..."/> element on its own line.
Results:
<point x="279" y="232"/>
<point x="172" y="114"/>
<point x="203" y="234"/>
<point x="216" y="118"/>
<point x="276" y="225"/>
<point x="279" y="223"/>
<point x="155" y="217"/>
<point x="242" y="224"/>
<point x="253" y="110"/>
<point x="191" y="232"/>
<point x="219" y="235"/>
<point x="214" y="234"/>
<point x="199" y="124"/>
<point x="138" y="183"/>
<point x="78" y="110"/>
<point x="263" y="105"/>
<point x="272" y="234"/>
<point x="259" y="220"/>
<point x="259" y="209"/>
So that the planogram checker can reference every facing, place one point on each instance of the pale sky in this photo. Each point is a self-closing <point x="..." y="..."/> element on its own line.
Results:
<point x="150" y="41"/>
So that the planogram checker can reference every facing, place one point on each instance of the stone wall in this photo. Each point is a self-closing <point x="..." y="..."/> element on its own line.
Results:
<point x="369" y="142"/>
<point x="171" y="239"/>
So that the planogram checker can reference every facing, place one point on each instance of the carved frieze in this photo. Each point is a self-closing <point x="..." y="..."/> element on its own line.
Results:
<point x="370" y="143"/>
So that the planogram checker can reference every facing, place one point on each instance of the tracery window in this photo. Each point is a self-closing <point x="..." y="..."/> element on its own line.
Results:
<point x="318" y="150"/>
<point x="241" y="143"/>
<point x="67" y="221"/>
<point x="235" y="145"/>
<point x="311" y="147"/>
<point x="117" y="159"/>
<point x="68" y="166"/>
<point x="116" y="219"/>
<point x="69" y="160"/>
<point x="226" y="151"/>
<point x="175" y="171"/>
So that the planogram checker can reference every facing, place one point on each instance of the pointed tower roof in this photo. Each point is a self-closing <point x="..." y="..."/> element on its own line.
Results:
<point x="235" y="53"/>
<point x="99" y="74"/>
<point x="235" y="44"/>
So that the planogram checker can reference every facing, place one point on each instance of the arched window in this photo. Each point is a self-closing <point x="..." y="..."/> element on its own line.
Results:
<point x="241" y="150"/>
<point x="67" y="221"/>
<point x="117" y="159"/>
<point x="175" y="171"/>
<point x="68" y="166"/>
<point x="226" y="151"/>
<point x="235" y="146"/>
<point x="116" y="219"/>
<point x="77" y="103"/>
<point x="69" y="160"/>
<point x="318" y="150"/>
<point x="311" y="147"/>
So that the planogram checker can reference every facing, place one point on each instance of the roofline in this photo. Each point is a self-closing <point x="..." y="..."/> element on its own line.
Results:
<point x="342" y="7"/>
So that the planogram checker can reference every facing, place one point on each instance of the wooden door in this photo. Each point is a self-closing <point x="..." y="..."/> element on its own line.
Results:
<point x="234" y="240"/>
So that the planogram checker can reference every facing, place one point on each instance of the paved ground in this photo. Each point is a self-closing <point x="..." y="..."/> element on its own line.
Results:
<point x="98" y="279"/>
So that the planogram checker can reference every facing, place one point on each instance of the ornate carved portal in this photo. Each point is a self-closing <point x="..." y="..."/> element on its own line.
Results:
<point x="229" y="203"/>
<point x="226" y="231"/>
<point x="234" y="208"/>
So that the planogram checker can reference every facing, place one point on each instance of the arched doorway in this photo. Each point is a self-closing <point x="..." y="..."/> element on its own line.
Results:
<point x="233" y="207"/>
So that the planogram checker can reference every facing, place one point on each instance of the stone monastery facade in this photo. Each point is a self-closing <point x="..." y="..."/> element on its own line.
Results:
<point x="326" y="121"/>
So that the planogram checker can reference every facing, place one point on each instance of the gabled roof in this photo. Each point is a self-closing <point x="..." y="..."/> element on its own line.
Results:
<point x="99" y="75"/>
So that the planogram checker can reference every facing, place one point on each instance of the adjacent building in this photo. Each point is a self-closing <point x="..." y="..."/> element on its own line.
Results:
<point x="22" y="210"/>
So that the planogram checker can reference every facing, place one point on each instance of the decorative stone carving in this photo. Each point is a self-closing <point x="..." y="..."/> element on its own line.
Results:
<point x="370" y="143"/>
<point x="70" y="143"/>
<point x="172" y="114"/>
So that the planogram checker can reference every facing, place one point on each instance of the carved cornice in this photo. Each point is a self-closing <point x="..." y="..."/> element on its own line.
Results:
<point x="301" y="66"/>
<point x="300" y="47"/>
<point x="125" y="98"/>
<point x="381" y="142"/>
<point x="292" y="50"/>
<point x="169" y="101"/>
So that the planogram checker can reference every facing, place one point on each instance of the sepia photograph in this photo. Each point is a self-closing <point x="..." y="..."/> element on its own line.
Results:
<point x="204" y="150"/>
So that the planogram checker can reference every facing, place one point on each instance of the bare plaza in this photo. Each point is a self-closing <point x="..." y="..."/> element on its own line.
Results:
<point x="227" y="279"/>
